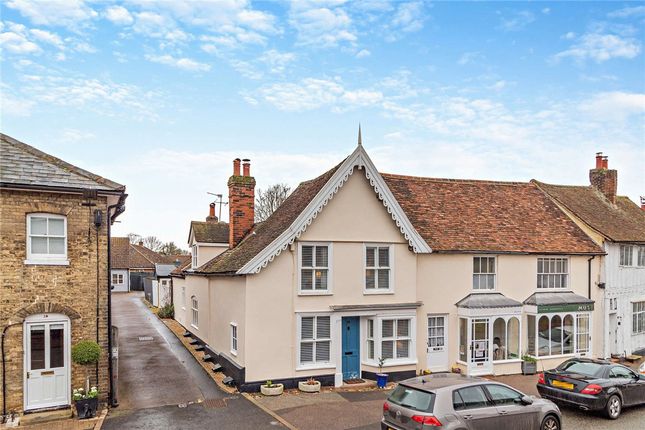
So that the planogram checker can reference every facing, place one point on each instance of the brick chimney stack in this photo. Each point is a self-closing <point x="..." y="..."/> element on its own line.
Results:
<point x="603" y="179"/>
<point x="211" y="214"/>
<point x="241" y="202"/>
<point x="643" y="202"/>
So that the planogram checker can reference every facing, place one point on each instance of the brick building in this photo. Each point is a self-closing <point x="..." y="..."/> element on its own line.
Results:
<point x="54" y="238"/>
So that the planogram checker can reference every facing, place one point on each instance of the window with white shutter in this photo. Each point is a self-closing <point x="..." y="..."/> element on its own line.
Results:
<point x="377" y="268"/>
<point x="315" y="340"/>
<point x="314" y="268"/>
<point x="395" y="339"/>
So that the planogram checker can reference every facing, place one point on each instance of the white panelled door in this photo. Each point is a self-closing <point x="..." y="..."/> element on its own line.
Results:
<point x="47" y="370"/>
<point x="438" y="343"/>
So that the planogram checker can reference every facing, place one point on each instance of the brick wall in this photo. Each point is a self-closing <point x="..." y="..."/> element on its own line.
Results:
<point x="241" y="204"/>
<point x="606" y="181"/>
<point x="72" y="289"/>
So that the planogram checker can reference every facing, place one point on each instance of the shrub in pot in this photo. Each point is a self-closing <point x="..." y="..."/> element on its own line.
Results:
<point x="529" y="365"/>
<point x="167" y="311"/>
<point x="309" y="386"/>
<point x="271" y="389"/>
<point x="84" y="353"/>
<point x="381" y="378"/>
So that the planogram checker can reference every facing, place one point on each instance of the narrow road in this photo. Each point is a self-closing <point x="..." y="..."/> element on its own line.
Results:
<point x="161" y="385"/>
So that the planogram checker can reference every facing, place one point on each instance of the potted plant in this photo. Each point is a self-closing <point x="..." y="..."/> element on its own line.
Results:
<point x="271" y="389"/>
<point x="529" y="365"/>
<point x="381" y="378"/>
<point x="86" y="400"/>
<point x="309" y="386"/>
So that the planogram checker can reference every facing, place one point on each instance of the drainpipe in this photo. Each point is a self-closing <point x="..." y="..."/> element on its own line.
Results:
<point x="589" y="275"/>
<point x="4" y="372"/>
<point x="119" y="208"/>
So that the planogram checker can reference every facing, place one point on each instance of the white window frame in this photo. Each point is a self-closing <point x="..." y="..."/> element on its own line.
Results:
<point x="638" y="312"/>
<point x="395" y="336"/>
<point x="576" y="351"/>
<point x="626" y="255"/>
<point x="193" y="257"/>
<point x="507" y="319"/>
<point x="480" y="274"/>
<point x="46" y="259"/>
<point x="640" y="260"/>
<point x="119" y="278"/>
<point x="330" y="364"/>
<point x="234" y="338"/>
<point x="194" y="307"/>
<point x="390" y="268"/>
<point x="567" y="274"/>
<point x="490" y="337"/>
<point x="313" y="291"/>
<point x="370" y="339"/>
<point x="183" y="297"/>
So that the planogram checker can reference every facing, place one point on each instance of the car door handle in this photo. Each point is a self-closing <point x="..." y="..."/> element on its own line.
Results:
<point x="503" y="412"/>
<point x="467" y="417"/>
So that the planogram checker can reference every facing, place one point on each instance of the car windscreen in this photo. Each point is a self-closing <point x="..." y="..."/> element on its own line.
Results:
<point x="411" y="398"/>
<point x="581" y="367"/>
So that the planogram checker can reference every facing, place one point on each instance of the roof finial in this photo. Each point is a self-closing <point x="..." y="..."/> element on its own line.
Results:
<point x="360" y="139"/>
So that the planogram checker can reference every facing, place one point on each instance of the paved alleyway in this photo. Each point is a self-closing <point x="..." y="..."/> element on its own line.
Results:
<point x="157" y="376"/>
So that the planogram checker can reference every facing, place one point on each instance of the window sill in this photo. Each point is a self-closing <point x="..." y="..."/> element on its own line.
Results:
<point x="315" y="366"/>
<point x="547" y="357"/>
<point x="512" y="360"/>
<point x="315" y="293"/>
<point x="377" y="292"/>
<point x="233" y="353"/>
<point x="399" y="362"/>
<point x="194" y="326"/>
<point x="47" y="262"/>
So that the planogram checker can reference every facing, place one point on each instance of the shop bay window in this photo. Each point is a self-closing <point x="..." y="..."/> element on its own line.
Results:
<point x="486" y="339"/>
<point x="558" y="334"/>
<point x="506" y="338"/>
<point x="552" y="272"/>
<point x="315" y="340"/>
<point x="395" y="339"/>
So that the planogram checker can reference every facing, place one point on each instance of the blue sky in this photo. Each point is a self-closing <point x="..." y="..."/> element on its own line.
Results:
<point x="161" y="96"/>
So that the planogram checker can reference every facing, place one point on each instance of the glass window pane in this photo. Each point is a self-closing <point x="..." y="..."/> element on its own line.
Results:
<point x="556" y="335"/>
<point x="530" y="323"/>
<point x="321" y="279"/>
<point x="37" y="351"/>
<point x="476" y="264"/>
<point x="499" y="339"/>
<point x="370" y="328"/>
<point x="307" y="328"/>
<point x="384" y="279"/>
<point x="463" y="338"/>
<point x="306" y="280"/>
<point x="56" y="245"/>
<point x="403" y="328"/>
<point x="370" y="258"/>
<point x="323" y="328"/>
<point x="491" y="281"/>
<point x="38" y="225"/>
<point x="307" y="256"/>
<point x="387" y="328"/>
<point x="491" y="265"/>
<point x="384" y="257"/>
<point x="370" y="275"/>
<point x="39" y="245"/>
<point x="513" y="339"/>
<point x="322" y="256"/>
<point x="402" y="348"/>
<point x="56" y="227"/>
<point x="473" y="397"/>
<point x="502" y="395"/>
<point x="567" y="335"/>
<point x="322" y="351"/>
<point x="56" y="346"/>
<point x="387" y="349"/>
<point x="543" y="336"/>
<point x="306" y="352"/>
<point x="370" y="349"/>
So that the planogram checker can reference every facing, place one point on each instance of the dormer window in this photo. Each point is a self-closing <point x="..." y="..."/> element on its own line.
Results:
<point x="46" y="239"/>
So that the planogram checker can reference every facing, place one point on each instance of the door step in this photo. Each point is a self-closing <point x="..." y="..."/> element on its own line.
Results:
<point x="46" y="416"/>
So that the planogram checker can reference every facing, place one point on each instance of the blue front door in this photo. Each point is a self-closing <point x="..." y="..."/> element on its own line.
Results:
<point x="351" y="348"/>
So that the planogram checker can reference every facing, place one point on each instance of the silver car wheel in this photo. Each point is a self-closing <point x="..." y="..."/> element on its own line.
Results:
<point x="614" y="407"/>
<point x="550" y="424"/>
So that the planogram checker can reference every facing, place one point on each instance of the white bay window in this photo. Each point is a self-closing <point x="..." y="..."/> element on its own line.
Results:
<point x="556" y="334"/>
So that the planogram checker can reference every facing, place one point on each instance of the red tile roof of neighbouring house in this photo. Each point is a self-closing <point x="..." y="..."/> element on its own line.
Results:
<point x="125" y="255"/>
<point x="622" y="222"/>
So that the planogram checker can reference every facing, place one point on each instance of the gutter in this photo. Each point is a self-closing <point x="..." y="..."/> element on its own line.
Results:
<point x="119" y="209"/>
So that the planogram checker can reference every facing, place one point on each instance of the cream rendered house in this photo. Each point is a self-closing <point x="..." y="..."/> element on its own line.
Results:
<point x="426" y="273"/>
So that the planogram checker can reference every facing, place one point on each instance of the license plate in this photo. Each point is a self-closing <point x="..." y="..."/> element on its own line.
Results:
<point x="560" y="384"/>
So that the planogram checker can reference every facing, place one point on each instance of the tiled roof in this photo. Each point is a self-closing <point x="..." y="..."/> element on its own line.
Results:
<point x="487" y="300"/>
<point x="622" y="222"/>
<point x="183" y="266"/>
<point x="210" y="232"/>
<point x="124" y="255"/>
<point x="556" y="298"/>
<point x="487" y="216"/>
<point x="21" y="164"/>
<point x="266" y="232"/>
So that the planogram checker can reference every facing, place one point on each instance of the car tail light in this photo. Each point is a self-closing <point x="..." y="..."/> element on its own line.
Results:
<point x="386" y="407"/>
<point x="541" y="378"/>
<point x="427" y="420"/>
<point x="592" y="389"/>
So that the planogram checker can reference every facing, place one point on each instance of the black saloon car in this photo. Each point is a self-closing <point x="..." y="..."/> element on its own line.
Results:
<point x="596" y="385"/>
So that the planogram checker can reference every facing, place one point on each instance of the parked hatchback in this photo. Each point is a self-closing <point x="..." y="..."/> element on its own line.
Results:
<point x="457" y="402"/>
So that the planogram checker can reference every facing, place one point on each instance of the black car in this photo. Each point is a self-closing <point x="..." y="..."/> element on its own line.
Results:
<point x="596" y="385"/>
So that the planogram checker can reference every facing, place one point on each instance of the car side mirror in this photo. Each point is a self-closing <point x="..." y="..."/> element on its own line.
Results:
<point x="525" y="400"/>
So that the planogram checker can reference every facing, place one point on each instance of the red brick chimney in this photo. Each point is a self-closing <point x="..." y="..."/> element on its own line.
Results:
<point x="211" y="214"/>
<point x="643" y="202"/>
<point x="603" y="179"/>
<point x="241" y="202"/>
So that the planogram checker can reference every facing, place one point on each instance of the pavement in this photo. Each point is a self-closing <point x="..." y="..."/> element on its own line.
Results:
<point x="161" y="385"/>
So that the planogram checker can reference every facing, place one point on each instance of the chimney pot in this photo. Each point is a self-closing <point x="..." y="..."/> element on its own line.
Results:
<point x="598" y="160"/>
<point x="241" y="203"/>
<point x="605" y="162"/>
<point x="643" y="202"/>
<point x="141" y="243"/>
<point x="211" y="213"/>
<point x="236" y="167"/>
<point x="246" y="167"/>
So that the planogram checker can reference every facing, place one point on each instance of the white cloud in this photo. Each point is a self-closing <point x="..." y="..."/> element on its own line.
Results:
<point x="601" y="47"/>
<point x="469" y="58"/>
<point x="151" y="24"/>
<point x="569" y="36"/>
<point x="180" y="63"/>
<point x="17" y="43"/>
<point x="277" y="61"/>
<point x="408" y="18"/>
<point x="47" y="37"/>
<point x="67" y="13"/>
<point x="614" y="106"/>
<point x="546" y="10"/>
<point x="517" y="21"/>
<point x="363" y="53"/>
<point x="321" y="26"/>
<point x="627" y="12"/>
<point x="71" y="135"/>
<point x="119" y="15"/>
<point x="14" y="106"/>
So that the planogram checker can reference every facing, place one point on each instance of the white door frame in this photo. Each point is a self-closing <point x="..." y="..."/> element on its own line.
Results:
<point x="484" y="367"/>
<point x="438" y="352"/>
<point x="47" y="319"/>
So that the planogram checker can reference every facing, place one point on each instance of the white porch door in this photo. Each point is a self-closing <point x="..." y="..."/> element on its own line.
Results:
<point x="480" y="359"/>
<point x="47" y="382"/>
<point x="437" y="353"/>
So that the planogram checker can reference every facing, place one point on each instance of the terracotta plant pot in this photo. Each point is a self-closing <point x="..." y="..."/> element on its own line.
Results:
<point x="274" y="390"/>
<point x="309" y="388"/>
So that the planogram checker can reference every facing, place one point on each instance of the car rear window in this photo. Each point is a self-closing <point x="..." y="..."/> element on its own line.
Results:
<point x="581" y="367"/>
<point x="408" y="397"/>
